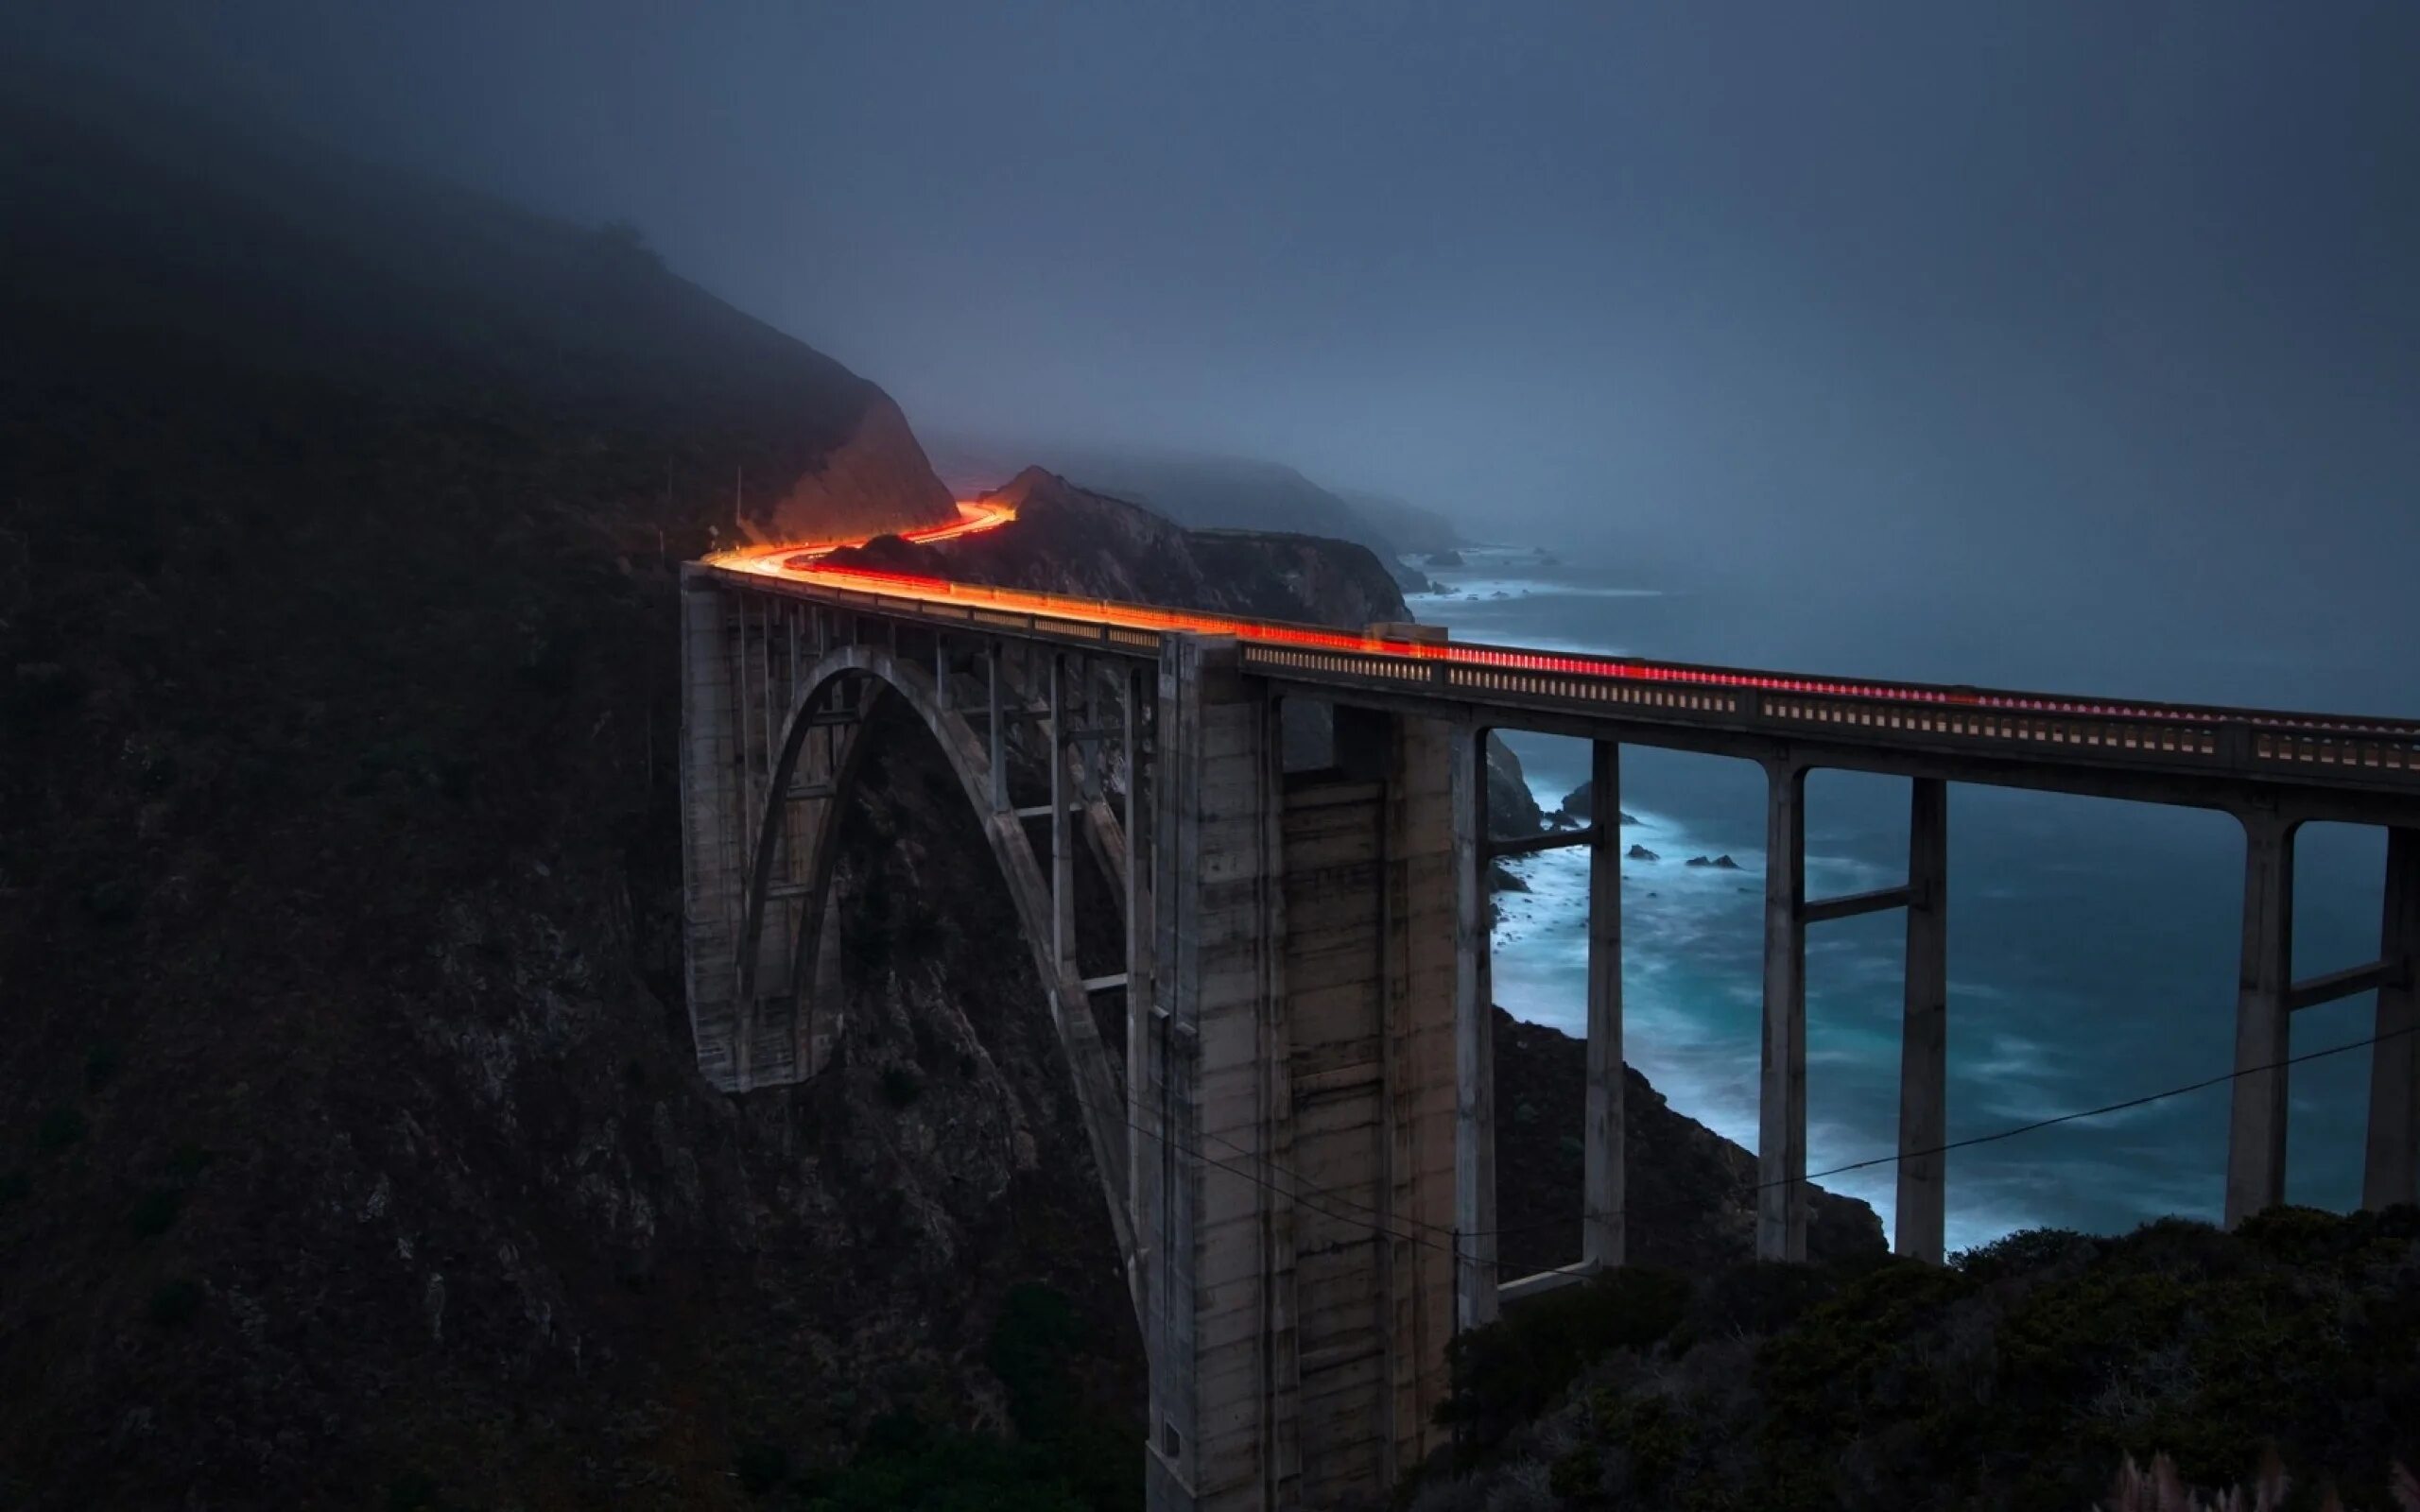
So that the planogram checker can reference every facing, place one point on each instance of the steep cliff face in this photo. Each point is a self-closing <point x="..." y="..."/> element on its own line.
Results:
<point x="1075" y="540"/>
<point x="875" y="480"/>
<point x="1690" y="1192"/>
<point x="141" y="238"/>
<point x="1198" y="492"/>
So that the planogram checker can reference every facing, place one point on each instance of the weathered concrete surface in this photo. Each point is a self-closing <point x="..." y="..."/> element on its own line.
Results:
<point x="1921" y="1215"/>
<point x="1300" y="1272"/>
<point x="2257" y="1123"/>
<point x="712" y="818"/>
<point x="2390" y="1163"/>
<point x="1781" y="1126"/>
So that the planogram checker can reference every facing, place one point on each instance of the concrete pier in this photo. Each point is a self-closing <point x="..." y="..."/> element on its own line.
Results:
<point x="1923" y="1044"/>
<point x="1603" y="1232"/>
<point x="1298" y="1084"/>
<point x="2390" y="1153"/>
<point x="2257" y="1125"/>
<point x="1475" y="1284"/>
<point x="1781" y="1124"/>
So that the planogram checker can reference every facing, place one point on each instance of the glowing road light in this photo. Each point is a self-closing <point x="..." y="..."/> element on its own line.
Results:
<point x="804" y="565"/>
<point x="974" y="516"/>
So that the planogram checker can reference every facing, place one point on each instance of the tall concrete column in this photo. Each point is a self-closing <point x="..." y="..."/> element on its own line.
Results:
<point x="1781" y="1121"/>
<point x="712" y="874"/>
<point x="2390" y="1163"/>
<point x="1924" y="1029"/>
<point x="1137" y="685"/>
<point x="1475" y="1301"/>
<point x="2256" y="1126"/>
<point x="1208" y="1192"/>
<point x="1602" y="1234"/>
<point x="1419" y="1044"/>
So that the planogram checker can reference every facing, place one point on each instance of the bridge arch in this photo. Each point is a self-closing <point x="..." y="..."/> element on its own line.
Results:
<point x="888" y="678"/>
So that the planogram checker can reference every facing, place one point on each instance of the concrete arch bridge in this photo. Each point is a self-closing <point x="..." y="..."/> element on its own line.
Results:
<point x="1296" y="1144"/>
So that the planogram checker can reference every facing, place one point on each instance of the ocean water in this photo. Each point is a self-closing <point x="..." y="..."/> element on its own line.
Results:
<point x="2092" y="944"/>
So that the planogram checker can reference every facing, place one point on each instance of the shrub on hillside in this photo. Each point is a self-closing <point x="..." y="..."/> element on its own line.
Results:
<point x="2010" y="1380"/>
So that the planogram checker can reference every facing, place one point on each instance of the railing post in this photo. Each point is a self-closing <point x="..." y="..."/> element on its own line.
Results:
<point x="1923" y="1052"/>
<point x="1781" y="1123"/>
<point x="1603" y="1219"/>
<point x="2390" y="1162"/>
<point x="2256" y="1126"/>
<point x="1475" y="1278"/>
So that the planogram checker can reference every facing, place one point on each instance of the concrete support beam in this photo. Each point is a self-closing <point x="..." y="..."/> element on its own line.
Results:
<point x="1849" y="905"/>
<point x="712" y="824"/>
<point x="1781" y="1123"/>
<point x="1063" y="850"/>
<point x="1203" y="1218"/>
<point x="1924" y="1029"/>
<point x="1602" y="1206"/>
<point x="992" y="731"/>
<point x="2391" y="1158"/>
<point x="2257" y="1125"/>
<point x="1420" y="1051"/>
<point x="2329" y="986"/>
<point x="1138" y="685"/>
<point x="1474" y="1041"/>
<point x="1529" y="845"/>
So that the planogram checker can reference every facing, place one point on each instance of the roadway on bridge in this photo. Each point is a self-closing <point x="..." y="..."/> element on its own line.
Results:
<point x="808" y="564"/>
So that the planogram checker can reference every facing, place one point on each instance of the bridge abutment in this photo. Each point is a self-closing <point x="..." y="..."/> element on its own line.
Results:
<point x="1298" y="1209"/>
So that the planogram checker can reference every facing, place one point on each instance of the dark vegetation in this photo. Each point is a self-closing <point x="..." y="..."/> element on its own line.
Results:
<point x="2018" y="1377"/>
<point x="351" y="1147"/>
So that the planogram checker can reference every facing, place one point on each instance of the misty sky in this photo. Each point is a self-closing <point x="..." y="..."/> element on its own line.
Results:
<point x="2120" y="300"/>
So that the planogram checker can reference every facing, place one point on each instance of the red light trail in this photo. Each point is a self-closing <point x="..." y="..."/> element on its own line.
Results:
<point x="804" y="564"/>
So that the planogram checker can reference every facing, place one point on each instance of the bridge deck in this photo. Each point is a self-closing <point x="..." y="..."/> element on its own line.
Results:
<point x="1987" y="734"/>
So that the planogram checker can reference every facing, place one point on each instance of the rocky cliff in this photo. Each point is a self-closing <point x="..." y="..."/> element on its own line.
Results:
<point x="1198" y="490"/>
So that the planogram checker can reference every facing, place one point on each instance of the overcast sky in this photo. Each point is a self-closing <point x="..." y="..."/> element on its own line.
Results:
<point x="2120" y="296"/>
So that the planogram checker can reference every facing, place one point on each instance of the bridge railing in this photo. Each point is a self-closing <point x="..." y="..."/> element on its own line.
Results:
<point x="2327" y="748"/>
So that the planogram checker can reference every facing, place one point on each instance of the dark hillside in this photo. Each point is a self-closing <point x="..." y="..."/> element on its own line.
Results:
<point x="351" y="1147"/>
<point x="146" y="242"/>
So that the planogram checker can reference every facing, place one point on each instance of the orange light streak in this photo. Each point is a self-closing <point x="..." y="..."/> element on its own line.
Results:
<point x="801" y="564"/>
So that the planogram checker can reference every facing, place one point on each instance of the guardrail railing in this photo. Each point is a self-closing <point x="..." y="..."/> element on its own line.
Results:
<point x="2254" y="742"/>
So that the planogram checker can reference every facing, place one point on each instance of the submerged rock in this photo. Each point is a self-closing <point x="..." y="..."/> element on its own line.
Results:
<point x="1640" y="852"/>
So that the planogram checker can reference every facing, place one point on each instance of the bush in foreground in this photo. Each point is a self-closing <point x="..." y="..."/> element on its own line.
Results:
<point x="2014" y="1379"/>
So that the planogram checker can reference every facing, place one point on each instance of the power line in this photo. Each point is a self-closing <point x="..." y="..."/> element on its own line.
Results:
<point x="2096" y="1112"/>
<point x="1299" y="1187"/>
